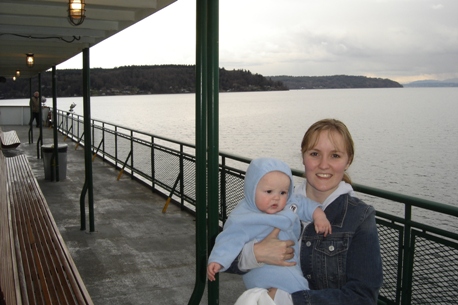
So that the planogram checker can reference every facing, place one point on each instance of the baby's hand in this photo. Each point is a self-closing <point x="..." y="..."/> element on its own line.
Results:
<point x="321" y="222"/>
<point x="322" y="225"/>
<point x="212" y="270"/>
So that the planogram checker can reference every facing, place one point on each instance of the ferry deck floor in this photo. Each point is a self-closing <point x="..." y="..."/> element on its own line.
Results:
<point x="137" y="254"/>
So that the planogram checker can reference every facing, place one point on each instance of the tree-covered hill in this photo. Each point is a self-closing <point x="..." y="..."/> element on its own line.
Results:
<point x="334" y="82"/>
<point x="160" y="79"/>
<point x="136" y="80"/>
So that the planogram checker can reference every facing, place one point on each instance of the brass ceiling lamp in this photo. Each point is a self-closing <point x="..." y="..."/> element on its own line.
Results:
<point x="76" y="12"/>
<point x="30" y="60"/>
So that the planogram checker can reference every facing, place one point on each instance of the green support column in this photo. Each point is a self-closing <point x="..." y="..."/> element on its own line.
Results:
<point x="40" y="119"/>
<point x="88" y="184"/>
<point x="54" y="121"/>
<point x="213" y="135"/>
<point x="31" y="114"/>
<point x="201" y="152"/>
<point x="207" y="145"/>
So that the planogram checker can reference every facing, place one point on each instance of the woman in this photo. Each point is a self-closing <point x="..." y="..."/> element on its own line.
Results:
<point x="345" y="267"/>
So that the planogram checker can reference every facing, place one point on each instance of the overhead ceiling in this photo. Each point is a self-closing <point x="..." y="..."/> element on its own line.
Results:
<point x="41" y="27"/>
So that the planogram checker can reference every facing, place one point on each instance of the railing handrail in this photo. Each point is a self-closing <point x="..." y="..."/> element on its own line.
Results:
<point x="80" y="119"/>
<point x="414" y="201"/>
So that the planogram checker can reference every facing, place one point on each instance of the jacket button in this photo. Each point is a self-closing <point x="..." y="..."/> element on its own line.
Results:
<point x="308" y="244"/>
<point x="309" y="277"/>
<point x="331" y="248"/>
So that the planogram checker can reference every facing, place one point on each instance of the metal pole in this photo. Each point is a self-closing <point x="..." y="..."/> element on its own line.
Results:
<point x="54" y="121"/>
<point x="407" y="268"/>
<point x="31" y="113"/>
<point x="213" y="130"/>
<point x="40" y="119"/>
<point x="87" y="137"/>
<point x="201" y="150"/>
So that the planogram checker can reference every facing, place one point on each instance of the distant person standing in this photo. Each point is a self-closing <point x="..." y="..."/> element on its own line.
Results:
<point x="35" y="108"/>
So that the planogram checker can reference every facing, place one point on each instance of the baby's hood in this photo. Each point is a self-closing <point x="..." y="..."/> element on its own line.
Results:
<point x="256" y="170"/>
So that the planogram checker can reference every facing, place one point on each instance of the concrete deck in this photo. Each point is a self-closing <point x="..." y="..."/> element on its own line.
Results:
<point x="137" y="254"/>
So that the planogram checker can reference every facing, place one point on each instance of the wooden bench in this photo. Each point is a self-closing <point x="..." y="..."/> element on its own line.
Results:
<point x="35" y="264"/>
<point x="9" y="139"/>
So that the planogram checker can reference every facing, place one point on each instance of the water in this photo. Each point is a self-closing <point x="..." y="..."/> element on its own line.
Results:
<point x="406" y="139"/>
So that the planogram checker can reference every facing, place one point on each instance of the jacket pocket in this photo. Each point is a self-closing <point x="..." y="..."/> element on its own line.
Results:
<point x="331" y="259"/>
<point x="333" y="246"/>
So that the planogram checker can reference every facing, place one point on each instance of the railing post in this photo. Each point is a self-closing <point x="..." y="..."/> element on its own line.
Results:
<point x="223" y="189"/>
<point x="103" y="139"/>
<point x="93" y="134"/>
<point x="182" y="176"/>
<point x="66" y="125"/>
<point x="116" y="145"/>
<point x="407" y="262"/>
<point x="153" y="174"/>
<point x="132" y="152"/>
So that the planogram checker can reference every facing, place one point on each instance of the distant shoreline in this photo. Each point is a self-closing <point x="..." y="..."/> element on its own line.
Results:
<point x="334" y="82"/>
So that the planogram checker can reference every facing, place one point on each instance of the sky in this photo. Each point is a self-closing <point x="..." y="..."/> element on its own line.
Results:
<point x="403" y="40"/>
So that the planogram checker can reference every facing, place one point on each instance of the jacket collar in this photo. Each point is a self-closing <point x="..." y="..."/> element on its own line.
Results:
<point x="337" y="213"/>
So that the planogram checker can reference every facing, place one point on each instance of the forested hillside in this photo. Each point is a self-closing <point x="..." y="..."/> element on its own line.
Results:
<point x="177" y="79"/>
<point x="137" y="80"/>
<point x="334" y="82"/>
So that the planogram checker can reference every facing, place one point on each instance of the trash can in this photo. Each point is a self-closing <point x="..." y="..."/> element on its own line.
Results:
<point x="47" y="151"/>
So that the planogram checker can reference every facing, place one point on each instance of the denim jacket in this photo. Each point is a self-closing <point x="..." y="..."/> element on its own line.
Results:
<point x="345" y="268"/>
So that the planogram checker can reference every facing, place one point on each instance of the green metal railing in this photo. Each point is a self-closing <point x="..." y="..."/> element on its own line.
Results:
<point x="420" y="260"/>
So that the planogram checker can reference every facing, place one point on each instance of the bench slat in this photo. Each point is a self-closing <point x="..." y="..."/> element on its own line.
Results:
<point x="48" y="274"/>
<point x="9" y="282"/>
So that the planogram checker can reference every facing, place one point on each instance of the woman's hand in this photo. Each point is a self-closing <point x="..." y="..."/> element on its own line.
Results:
<point x="273" y="251"/>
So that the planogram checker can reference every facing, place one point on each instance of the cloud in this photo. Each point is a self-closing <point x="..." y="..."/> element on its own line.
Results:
<point x="397" y="39"/>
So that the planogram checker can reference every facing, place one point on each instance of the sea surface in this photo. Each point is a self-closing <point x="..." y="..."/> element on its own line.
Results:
<point x="406" y="139"/>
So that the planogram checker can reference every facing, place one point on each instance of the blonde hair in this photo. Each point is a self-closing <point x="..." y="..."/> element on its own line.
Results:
<point x="332" y="125"/>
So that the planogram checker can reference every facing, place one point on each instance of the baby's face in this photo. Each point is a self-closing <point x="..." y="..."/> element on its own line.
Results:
<point x="272" y="192"/>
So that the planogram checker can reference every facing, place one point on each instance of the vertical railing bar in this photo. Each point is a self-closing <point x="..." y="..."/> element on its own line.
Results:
<point x="93" y="134"/>
<point x="103" y="139"/>
<point x="116" y="145"/>
<point x="76" y="132"/>
<point x="132" y="151"/>
<point x="398" y="290"/>
<point x="153" y="173"/>
<point x="407" y="264"/>
<point x="182" y="176"/>
<point x="223" y="189"/>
